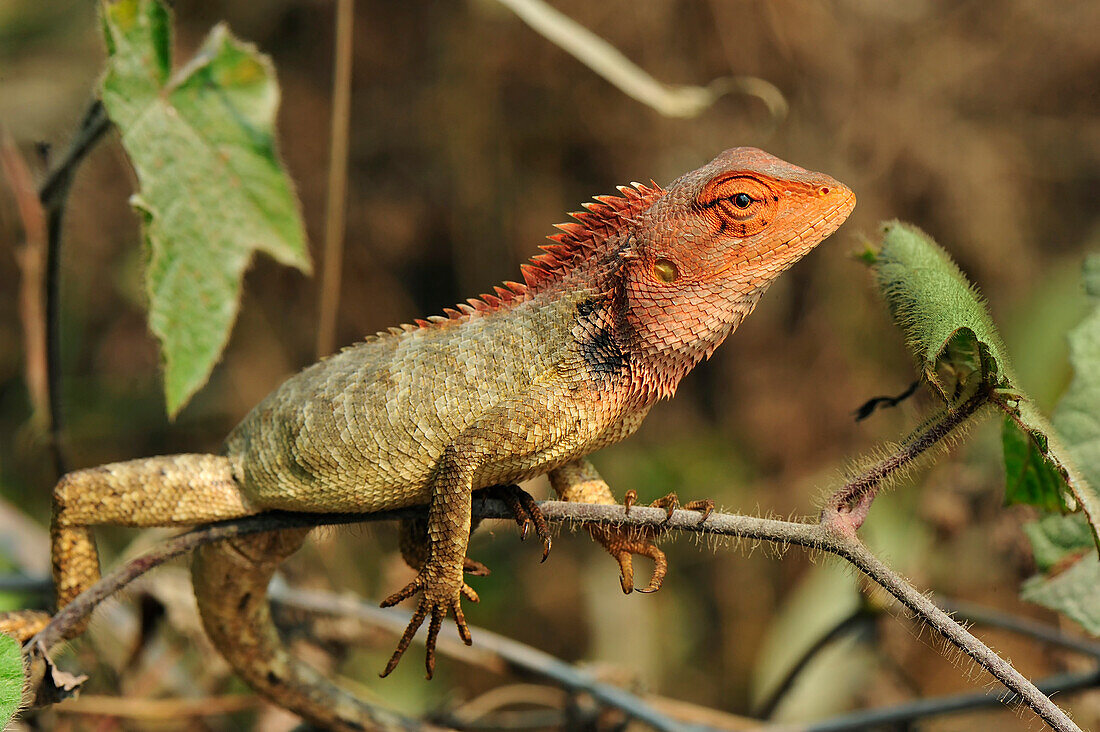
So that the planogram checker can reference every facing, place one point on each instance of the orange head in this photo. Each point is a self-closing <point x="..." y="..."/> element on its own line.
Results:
<point x="699" y="258"/>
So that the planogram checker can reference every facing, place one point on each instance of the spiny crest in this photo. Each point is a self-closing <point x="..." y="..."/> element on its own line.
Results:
<point x="578" y="240"/>
<point x="583" y="236"/>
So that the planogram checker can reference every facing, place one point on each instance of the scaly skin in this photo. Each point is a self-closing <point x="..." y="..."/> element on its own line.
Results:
<point x="509" y="386"/>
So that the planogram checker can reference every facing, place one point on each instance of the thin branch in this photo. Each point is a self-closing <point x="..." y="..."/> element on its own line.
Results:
<point x="26" y="584"/>
<point x="1044" y="632"/>
<point x="55" y="188"/>
<point x="970" y="613"/>
<point x="485" y="707"/>
<point x="851" y="549"/>
<point x="820" y="537"/>
<point x="332" y="265"/>
<point x="901" y="714"/>
<point x="158" y="710"/>
<point x="53" y="194"/>
<point x="31" y="258"/>
<point x="491" y="650"/>
<point x="846" y="625"/>
<point x="610" y="63"/>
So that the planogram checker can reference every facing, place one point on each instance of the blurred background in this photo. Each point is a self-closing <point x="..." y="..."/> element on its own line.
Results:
<point x="470" y="136"/>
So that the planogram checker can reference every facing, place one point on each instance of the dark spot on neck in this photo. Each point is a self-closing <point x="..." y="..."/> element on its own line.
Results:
<point x="587" y="307"/>
<point x="595" y="336"/>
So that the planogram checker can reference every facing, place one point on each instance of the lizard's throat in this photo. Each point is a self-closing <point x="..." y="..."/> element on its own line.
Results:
<point x="667" y="346"/>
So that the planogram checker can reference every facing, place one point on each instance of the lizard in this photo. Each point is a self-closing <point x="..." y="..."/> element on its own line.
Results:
<point x="617" y="309"/>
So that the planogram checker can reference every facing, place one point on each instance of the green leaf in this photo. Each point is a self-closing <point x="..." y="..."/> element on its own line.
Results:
<point x="11" y="678"/>
<point x="942" y="316"/>
<point x="212" y="186"/>
<point x="1074" y="592"/>
<point x="1062" y="545"/>
<point x="1029" y="478"/>
<point x="959" y="351"/>
<point x="1058" y="540"/>
<point x="1078" y="414"/>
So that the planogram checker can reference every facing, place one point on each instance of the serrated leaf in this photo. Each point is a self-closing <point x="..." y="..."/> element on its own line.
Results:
<point x="959" y="351"/>
<point x="212" y="186"/>
<point x="11" y="678"/>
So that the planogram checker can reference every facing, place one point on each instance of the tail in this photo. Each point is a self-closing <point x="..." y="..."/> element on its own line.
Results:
<point x="230" y="579"/>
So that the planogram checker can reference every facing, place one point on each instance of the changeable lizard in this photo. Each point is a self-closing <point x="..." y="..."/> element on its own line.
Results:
<point x="502" y="388"/>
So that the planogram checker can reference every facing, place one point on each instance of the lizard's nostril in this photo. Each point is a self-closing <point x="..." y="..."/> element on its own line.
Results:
<point x="823" y="191"/>
<point x="665" y="270"/>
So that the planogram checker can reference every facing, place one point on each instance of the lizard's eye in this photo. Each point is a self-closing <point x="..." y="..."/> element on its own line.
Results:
<point x="737" y="205"/>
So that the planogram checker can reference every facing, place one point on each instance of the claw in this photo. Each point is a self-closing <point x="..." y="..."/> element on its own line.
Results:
<point x="403" y="594"/>
<point x="463" y="628"/>
<point x="526" y="512"/>
<point x="629" y="499"/>
<point x="475" y="568"/>
<point x="437" y="606"/>
<point x="626" y="571"/>
<point x="671" y="503"/>
<point x="660" y="567"/>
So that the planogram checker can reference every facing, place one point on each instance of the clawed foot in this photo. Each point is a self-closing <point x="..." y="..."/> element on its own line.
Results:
<point x="671" y="503"/>
<point x="436" y="601"/>
<point x="623" y="542"/>
<point x="526" y="512"/>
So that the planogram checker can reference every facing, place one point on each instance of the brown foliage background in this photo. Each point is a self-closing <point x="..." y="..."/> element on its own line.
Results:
<point x="978" y="121"/>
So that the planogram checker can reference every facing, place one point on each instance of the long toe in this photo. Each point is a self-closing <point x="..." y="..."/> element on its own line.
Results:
<point x="406" y="638"/>
<point x="660" y="566"/>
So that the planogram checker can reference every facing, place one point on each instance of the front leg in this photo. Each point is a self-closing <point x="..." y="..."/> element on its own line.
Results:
<point x="539" y="427"/>
<point x="440" y="579"/>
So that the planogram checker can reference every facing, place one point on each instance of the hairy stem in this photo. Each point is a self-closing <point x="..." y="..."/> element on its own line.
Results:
<point x="816" y="536"/>
<point x="848" y="508"/>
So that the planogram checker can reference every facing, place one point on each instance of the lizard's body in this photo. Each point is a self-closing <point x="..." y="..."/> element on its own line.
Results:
<point x="313" y="445"/>
<point x="510" y="386"/>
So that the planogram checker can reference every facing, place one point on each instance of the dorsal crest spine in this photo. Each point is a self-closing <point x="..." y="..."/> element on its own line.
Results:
<point x="577" y="240"/>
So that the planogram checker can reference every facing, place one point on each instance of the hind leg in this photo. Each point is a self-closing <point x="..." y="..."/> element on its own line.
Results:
<point x="175" y="490"/>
